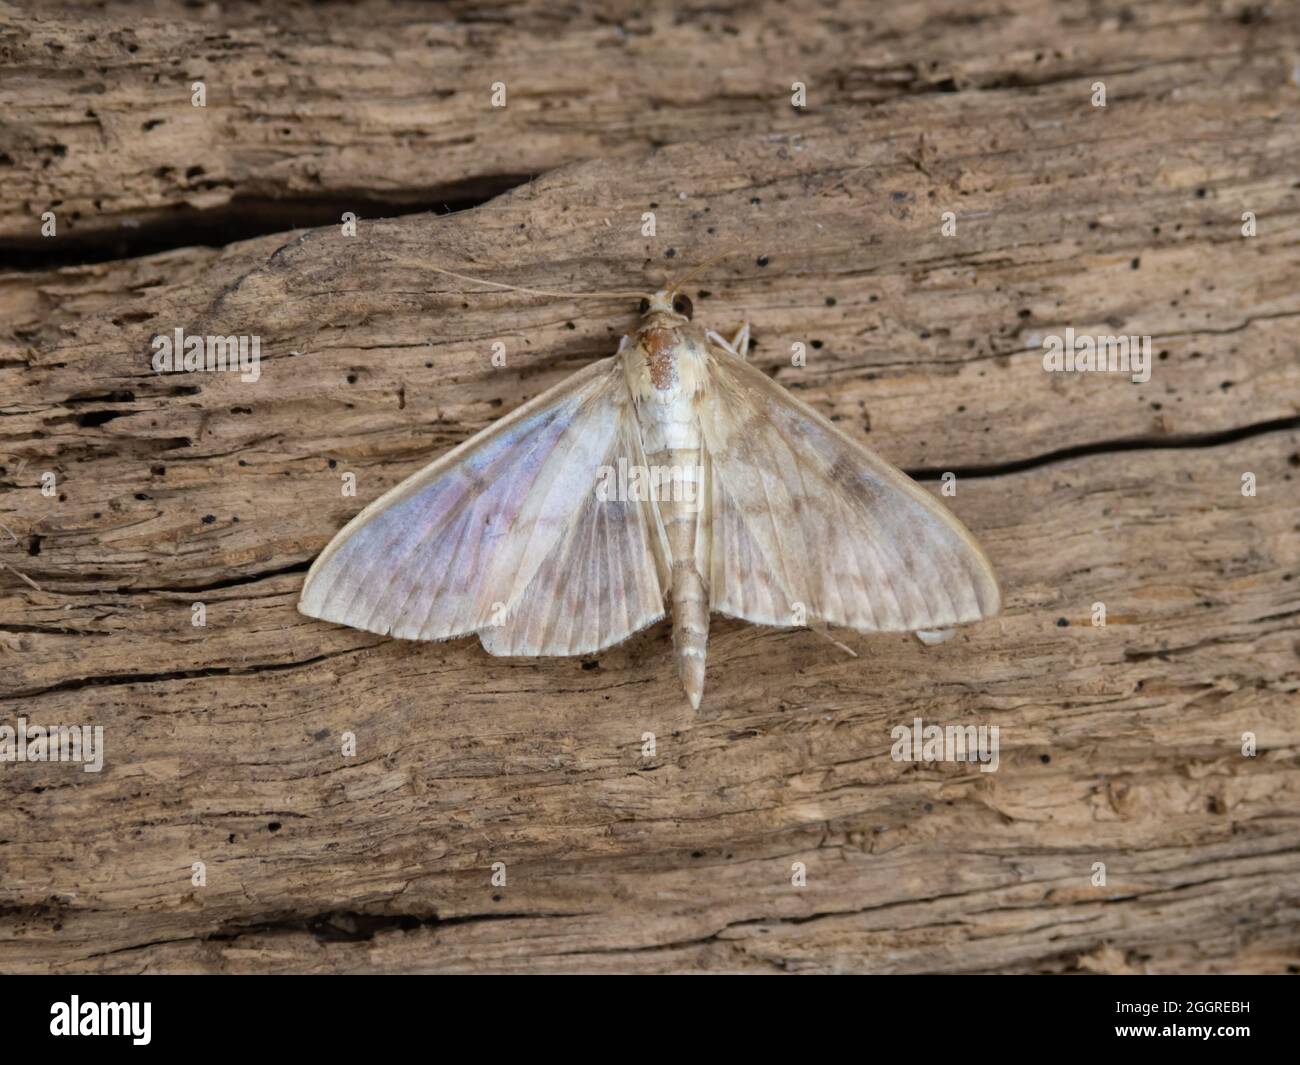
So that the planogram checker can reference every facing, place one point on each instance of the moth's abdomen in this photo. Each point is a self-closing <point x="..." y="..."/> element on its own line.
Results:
<point x="669" y="427"/>
<point x="672" y="441"/>
<point x="690" y="628"/>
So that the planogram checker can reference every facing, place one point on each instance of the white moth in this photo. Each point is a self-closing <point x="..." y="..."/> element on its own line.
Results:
<point x="535" y="536"/>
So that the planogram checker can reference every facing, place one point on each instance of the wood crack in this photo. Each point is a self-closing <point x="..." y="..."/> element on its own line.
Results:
<point x="1177" y="442"/>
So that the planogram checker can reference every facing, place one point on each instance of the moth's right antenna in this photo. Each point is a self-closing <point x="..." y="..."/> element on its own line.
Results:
<point x="539" y="291"/>
<point x="733" y="250"/>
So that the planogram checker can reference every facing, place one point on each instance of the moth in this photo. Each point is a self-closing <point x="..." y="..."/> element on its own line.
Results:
<point x="538" y="536"/>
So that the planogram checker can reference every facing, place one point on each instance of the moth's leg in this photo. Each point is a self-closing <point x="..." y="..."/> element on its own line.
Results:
<point x="740" y="342"/>
<point x="820" y="628"/>
<point x="623" y="342"/>
<point x="738" y="345"/>
<point x="720" y="340"/>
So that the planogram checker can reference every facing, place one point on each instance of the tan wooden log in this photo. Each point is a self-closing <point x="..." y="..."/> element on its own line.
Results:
<point x="1121" y="744"/>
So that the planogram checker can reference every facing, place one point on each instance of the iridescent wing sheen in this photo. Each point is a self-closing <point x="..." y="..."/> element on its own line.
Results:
<point x="505" y="537"/>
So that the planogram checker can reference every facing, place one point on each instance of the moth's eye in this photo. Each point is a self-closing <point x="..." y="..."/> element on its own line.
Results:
<point x="645" y="305"/>
<point x="683" y="306"/>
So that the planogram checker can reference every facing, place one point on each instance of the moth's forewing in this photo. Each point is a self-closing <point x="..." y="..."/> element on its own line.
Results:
<point x="809" y="524"/>
<point x="504" y="537"/>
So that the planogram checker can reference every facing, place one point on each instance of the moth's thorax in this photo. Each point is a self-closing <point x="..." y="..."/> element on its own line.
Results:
<point x="667" y="359"/>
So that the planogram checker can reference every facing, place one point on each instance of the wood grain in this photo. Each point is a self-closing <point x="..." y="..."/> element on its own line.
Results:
<point x="1120" y="744"/>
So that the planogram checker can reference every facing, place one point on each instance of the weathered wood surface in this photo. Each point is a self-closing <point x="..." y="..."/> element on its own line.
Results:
<point x="1120" y="744"/>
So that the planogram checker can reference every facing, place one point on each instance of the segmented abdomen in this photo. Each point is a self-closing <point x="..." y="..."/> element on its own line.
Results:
<point x="671" y="437"/>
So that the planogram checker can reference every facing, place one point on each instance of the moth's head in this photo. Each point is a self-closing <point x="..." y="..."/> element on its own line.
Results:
<point x="668" y="304"/>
